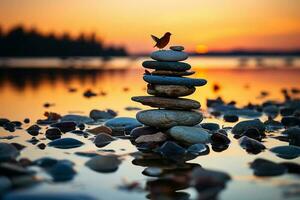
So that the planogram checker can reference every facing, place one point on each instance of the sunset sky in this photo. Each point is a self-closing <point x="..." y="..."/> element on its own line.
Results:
<point x="196" y="24"/>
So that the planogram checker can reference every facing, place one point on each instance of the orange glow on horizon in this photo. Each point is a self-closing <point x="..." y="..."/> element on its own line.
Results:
<point x="201" y="48"/>
<point x="222" y="24"/>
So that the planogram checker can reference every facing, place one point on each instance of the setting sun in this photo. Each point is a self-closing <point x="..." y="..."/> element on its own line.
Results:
<point x="201" y="49"/>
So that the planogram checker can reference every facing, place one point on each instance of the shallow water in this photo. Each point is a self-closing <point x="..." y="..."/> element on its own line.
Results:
<point x="23" y="93"/>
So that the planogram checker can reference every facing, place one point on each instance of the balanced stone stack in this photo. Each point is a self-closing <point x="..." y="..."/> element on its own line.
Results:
<point x="167" y="83"/>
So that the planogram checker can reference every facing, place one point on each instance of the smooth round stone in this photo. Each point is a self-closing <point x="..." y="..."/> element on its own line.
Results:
<point x="243" y="126"/>
<point x="100" y="129"/>
<point x="191" y="135"/>
<point x="5" y="184"/>
<point x="290" y="132"/>
<point x="33" y="130"/>
<point x="206" y="179"/>
<point x="45" y="162"/>
<point x="263" y="167"/>
<point x="8" y="152"/>
<point x="272" y="125"/>
<point x="32" y="195"/>
<point x="172" y="66"/>
<point x="145" y="130"/>
<point x="219" y="139"/>
<point x="246" y="113"/>
<point x="271" y="111"/>
<point x="152" y="171"/>
<point x="197" y="149"/>
<point x="177" y="48"/>
<point x="62" y="171"/>
<point x="286" y="152"/>
<point x="170" y="90"/>
<point x="171" y="150"/>
<point x="156" y="138"/>
<point x="169" y="103"/>
<point x="290" y="121"/>
<point x="169" y="118"/>
<point x="172" y="73"/>
<point x="251" y="145"/>
<point x="104" y="163"/>
<point x="293" y="134"/>
<point x="53" y="133"/>
<point x="230" y="118"/>
<point x="65" y="143"/>
<point x="103" y="139"/>
<point x="79" y="119"/>
<point x="122" y="124"/>
<point x="169" y="55"/>
<point x="100" y="114"/>
<point x="65" y="126"/>
<point x="171" y="80"/>
<point x="210" y="126"/>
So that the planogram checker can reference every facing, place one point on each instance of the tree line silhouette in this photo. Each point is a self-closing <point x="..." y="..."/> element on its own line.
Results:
<point x="19" y="42"/>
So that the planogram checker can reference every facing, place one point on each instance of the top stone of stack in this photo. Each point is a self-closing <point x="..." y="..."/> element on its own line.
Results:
<point x="169" y="55"/>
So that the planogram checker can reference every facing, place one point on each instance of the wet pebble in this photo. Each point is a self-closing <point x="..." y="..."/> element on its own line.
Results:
<point x="26" y="120"/>
<point x="5" y="184"/>
<point x="190" y="135"/>
<point x="219" y="139"/>
<point x="290" y="121"/>
<point x="65" y="126"/>
<point x="33" y="140"/>
<point x="198" y="149"/>
<point x="209" y="182"/>
<point x="286" y="152"/>
<point x="230" y="118"/>
<point x="100" y="129"/>
<point x="272" y="125"/>
<point x="61" y="171"/>
<point x="78" y="119"/>
<point x="29" y="195"/>
<point x="65" y="143"/>
<point x="103" y="139"/>
<point x="33" y="130"/>
<point x="8" y="152"/>
<point x="292" y="168"/>
<point x="122" y="125"/>
<point x="171" y="150"/>
<point x="53" y="133"/>
<point x="153" y="171"/>
<point x="9" y="126"/>
<point x="81" y="126"/>
<point x="104" y="163"/>
<point x="271" y="111"/>
<point x="41" y="146"/>
<point x="263" y="167"/>
<point x="18" y="146"/>
<point x="13" y="170"/>
<point x="89" y="93"/>
<point x="102" y="114"/>
<point x="253" y="133"/>
<point x="45" y="162"/>
<point x="157" y="137"/>
<point x="144" y="130"/>
<point x="243" y="126"/>
<point x="210" y="126"/>
<point x="251" y="145"/>
<point x="286" y="111"/>
<point x="3" y="121"/>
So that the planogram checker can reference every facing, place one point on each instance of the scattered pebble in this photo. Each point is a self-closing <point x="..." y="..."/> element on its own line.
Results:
<point x="263" y="167"/>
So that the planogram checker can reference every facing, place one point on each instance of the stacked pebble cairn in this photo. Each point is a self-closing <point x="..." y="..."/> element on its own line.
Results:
<point x="174" y="118"/>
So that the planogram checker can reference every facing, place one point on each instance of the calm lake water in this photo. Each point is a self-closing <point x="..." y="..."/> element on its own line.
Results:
<point x="24" y="92"/>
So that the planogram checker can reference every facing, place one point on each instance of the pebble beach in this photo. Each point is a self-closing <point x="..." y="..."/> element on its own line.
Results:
<point x="171" y="131"/>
